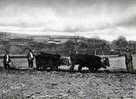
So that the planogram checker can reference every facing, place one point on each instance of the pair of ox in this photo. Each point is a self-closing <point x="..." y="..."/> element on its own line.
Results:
<point x="53" y="61"/>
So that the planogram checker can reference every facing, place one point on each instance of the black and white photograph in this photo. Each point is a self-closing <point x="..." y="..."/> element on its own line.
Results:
<point x="67" y="49"/>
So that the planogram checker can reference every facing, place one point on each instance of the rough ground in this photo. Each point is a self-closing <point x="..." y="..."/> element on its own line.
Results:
<point x="32" y="84"/>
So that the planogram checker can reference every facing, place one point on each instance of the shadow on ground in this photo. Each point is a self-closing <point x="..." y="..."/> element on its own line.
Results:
<point x="74" y="71"/>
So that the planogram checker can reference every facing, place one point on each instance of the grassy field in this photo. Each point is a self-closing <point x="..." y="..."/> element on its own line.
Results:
<point x="32" y="84"/>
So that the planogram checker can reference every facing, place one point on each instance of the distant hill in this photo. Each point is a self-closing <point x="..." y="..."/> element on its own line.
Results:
<point x="18" y="43"/>
<point x="37" y="38"/>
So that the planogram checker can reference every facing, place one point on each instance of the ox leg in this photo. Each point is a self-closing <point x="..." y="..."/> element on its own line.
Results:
<point x="55" y="68"/>
<point x="72" y="67"/>
<point x="37" y="67"/>
<point x="80" y="68"/>
<point x="91" y="69"/>
<point x="95" y="70"/>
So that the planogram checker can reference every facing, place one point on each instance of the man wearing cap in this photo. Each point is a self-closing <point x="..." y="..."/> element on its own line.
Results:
<point x="6" y="60"/>
<point x="128" y="61"/>
<point x="30" y="57"/>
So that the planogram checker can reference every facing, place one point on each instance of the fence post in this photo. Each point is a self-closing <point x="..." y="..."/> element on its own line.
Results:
<point x="95" y="52"/>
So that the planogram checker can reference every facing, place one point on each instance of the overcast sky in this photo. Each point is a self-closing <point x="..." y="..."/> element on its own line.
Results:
<point x="105" y="19"/>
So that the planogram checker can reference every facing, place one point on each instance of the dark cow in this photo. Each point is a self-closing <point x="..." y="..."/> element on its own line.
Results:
<point x="45" y="60"/>
<point x="91" y="61"/>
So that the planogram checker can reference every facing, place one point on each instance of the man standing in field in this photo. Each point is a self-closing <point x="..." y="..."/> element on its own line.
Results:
<point x="128" y="61"/>
<point x="6" y="60"/>
<point x="30" y="57"/>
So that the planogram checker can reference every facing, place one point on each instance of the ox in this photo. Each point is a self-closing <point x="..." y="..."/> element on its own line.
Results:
<point x="91" y="61"/>
<point x="46" y="60"/>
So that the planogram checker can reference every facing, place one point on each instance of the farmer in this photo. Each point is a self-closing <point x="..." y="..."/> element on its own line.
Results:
<point x="30" y="57"/>
<point x="128" y="61"/>
<point x="6" y="60"/>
